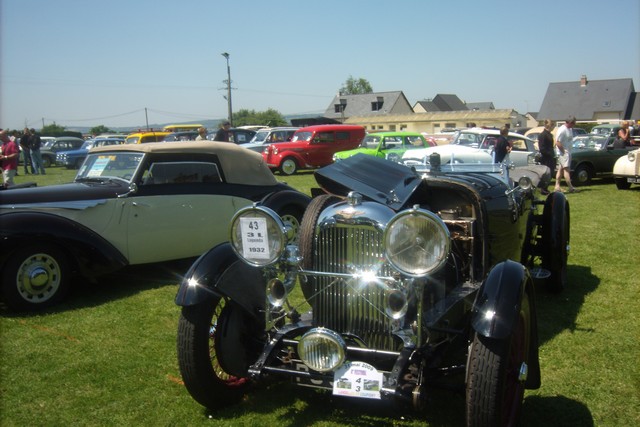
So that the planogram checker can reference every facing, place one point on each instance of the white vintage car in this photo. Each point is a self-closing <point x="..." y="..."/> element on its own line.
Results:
<point x="450" y="154"/>
<point x="626" y="170"/>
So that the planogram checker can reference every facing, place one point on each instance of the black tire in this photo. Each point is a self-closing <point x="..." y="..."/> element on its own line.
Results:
<point x="555" y="240"/>
<point x="213" y="352"/>
<point x="35" y="277"/>
<point x="46" y="161"/>
<point x="307" y="234"/>
<point x="583" y="174"/>
<point x="495" y="391"/>
<point x="288" y="166"/>
<point x="622" y="184"/>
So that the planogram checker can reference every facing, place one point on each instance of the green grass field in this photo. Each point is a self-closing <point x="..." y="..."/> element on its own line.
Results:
<point x="107" y="355"/>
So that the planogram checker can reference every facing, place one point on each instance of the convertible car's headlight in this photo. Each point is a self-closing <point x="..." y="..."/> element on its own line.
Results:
<point x="258" y="235"/>
<point x="416" y="242"/>
<point x="631" y="155"/>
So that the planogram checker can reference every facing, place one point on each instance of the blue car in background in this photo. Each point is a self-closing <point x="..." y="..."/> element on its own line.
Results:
<point x="73" y="158"/>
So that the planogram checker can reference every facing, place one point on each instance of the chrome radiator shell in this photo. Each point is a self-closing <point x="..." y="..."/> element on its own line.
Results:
<point x="348" y="243"/>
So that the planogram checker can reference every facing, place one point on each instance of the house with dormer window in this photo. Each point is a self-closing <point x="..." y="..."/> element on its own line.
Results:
<point x="377" y="103"/>
<point x="591" y="101"/>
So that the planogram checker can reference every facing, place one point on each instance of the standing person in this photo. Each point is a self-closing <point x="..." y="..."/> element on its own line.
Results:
<point x="623" y="138"/>
<point x="25" y="144"/>
<point x="502" y="145"/>
<point x="547" y="154"/>
<point x="202" y="134"/>
<point x="36" y="156"/>
<point x="223" y="132"/>
<point x="10" y="153"/>
<point x="564" y="141"/>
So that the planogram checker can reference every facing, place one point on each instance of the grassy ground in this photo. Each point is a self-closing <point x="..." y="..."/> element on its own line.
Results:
<point x="107" y="355"/>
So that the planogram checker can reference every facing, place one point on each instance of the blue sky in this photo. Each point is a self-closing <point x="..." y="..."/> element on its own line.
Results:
<point x="92" y="62"/>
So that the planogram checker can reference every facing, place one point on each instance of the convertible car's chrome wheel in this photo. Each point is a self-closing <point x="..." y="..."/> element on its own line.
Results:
<point x="292" y="219"/>
<point x="35" y="277"/>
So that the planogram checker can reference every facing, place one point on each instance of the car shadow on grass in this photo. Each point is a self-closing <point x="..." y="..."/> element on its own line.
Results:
<point x="299" y="406"/>
<point x="129" y="281"/>
<point x="555" y="411"/>
<point x="558" y="311"/>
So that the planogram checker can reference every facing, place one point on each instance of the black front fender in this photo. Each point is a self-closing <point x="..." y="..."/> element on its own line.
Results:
<point x="497" y="308"/>
<point x="93" y="254"/>
<point x="497" y="305"/>
<point x="219" y="272"/>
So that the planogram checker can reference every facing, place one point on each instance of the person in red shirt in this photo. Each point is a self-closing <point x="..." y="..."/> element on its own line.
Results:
<point x="10" y="153"/>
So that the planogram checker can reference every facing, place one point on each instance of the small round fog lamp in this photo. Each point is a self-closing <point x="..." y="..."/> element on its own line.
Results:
<point x="322" y="350"/>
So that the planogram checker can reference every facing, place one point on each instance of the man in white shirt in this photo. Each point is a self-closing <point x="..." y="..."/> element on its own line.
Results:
<point x="564" y="141"/>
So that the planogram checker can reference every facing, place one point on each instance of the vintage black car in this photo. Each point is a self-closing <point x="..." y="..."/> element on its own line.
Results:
<point x="130" y="204"/>
<point x="416" y="277"/>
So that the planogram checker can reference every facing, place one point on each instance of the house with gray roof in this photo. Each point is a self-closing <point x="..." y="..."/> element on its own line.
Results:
<point x="596" y="100"/>
<point x="480" y="106"/>
<point x="376" y="104"/>
<point x="442" y="102"/>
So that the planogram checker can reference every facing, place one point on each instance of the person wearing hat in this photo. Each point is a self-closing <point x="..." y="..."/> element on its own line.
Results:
<point x="564" y="142"/>
<point x="202" y="134"/>
<point x="223" y="133"/>
<point x="9" y="158"/>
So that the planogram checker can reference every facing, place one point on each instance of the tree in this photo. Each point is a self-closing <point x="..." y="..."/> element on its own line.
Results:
<point x="97" y="130"/>
<point x="52" y="130"/>
<point x="57" y="130"/>
<point x="353" y="86"/>
<point x="269" y="117"/>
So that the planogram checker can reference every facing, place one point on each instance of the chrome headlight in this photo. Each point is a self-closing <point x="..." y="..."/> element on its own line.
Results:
<point x="631" y="155"/>
<point x="322" y="350"/>
<point x="258" y="235"/>
<point x="416" y="242"/>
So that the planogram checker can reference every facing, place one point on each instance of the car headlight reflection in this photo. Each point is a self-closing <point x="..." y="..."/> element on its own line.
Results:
<point x="258" y="235"/>
<point x="416" y="242"/>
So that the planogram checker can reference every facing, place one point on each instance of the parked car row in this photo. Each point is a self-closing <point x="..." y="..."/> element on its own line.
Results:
<point x="74" y="158"/>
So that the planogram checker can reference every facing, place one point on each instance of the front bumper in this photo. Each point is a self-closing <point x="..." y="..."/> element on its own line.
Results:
<point x="280" y="358"/>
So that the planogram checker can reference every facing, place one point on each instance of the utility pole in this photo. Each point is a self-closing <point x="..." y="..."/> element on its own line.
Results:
<point x="230" y="111"/>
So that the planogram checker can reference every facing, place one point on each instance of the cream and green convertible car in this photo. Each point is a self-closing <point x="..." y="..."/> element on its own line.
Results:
<point x="130" y="204"/>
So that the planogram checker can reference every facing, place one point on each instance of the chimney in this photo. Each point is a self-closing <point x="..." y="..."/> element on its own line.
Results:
<point x="583" y="80"/>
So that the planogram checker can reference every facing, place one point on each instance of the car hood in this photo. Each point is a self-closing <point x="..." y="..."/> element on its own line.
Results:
<point x="348" y="153"/>
<point x="73" y="195"/>
<point x="378" y="179"/>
